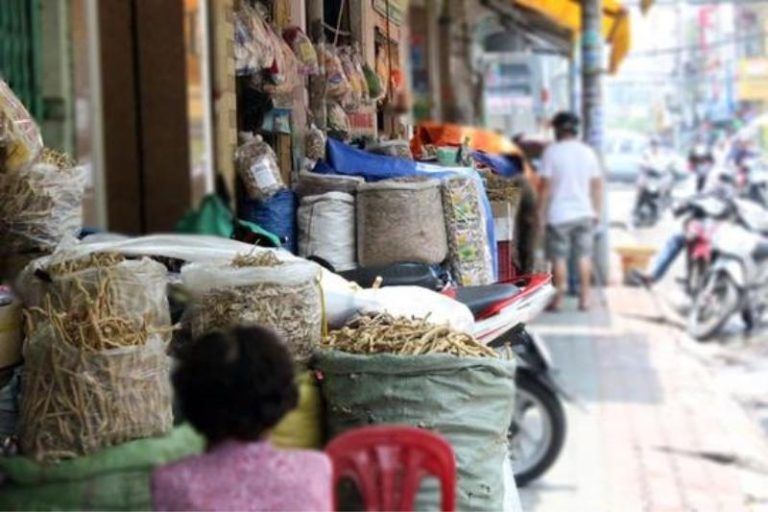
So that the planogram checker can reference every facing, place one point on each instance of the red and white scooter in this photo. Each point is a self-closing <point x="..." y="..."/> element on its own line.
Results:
<point x="501" y="312"/>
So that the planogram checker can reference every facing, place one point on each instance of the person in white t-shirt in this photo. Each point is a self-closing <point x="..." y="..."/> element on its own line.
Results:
<point x="569" y="204"/>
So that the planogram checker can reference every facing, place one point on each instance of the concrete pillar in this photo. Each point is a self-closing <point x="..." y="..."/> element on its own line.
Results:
<point x="592" y="49"/>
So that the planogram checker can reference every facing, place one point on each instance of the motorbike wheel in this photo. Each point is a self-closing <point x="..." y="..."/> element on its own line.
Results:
<point x="535" y="405"/>
<point x="696" y="272"/>
<point x="713" y="305"/>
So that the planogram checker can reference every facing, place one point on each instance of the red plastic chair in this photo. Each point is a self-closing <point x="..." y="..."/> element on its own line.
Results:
<point x="387" y="463"/>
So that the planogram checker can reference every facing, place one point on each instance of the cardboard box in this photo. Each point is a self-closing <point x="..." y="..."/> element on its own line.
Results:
<point x="503" y="220"/>
<point x="10" y="334"/>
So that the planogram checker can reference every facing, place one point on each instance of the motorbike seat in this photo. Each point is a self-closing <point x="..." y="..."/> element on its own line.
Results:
<point x="480" y="298"/>
<point x="761" y="251"/>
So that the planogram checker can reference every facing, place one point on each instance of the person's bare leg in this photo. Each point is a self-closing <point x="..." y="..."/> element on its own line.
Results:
<point x="585" y="276"/>
<point x="560" y="278"/>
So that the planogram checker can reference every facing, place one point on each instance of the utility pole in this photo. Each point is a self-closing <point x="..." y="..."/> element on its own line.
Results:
<point x="592" y="108"/>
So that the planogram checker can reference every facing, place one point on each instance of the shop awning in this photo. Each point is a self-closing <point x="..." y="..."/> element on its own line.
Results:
<point x="567" y="14"/>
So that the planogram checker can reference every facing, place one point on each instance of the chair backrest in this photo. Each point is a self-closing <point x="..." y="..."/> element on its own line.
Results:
<point x="387" y="464"/>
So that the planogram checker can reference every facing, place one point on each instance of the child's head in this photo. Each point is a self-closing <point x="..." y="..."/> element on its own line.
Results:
<point x="235" y="384"/>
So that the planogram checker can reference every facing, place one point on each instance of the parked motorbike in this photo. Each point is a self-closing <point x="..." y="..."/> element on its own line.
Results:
<point x="700" y="216"/>
<point x="653" y="195"/>
<point x="537" y="432"/>
<point x="737" y="278"/>
<point x="755" y="181"/>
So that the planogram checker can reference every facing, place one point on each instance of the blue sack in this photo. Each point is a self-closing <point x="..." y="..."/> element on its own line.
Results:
<point x="277" y="215"/>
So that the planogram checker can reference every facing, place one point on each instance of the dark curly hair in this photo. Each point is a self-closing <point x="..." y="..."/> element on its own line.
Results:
<point x="235" y="384"/>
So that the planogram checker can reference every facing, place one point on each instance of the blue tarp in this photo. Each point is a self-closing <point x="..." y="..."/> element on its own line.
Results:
<point x="344" y="159"/>
<point x="500" y="164"/>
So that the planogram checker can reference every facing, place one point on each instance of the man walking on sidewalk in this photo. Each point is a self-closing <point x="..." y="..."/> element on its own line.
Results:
<point x="570" y="201"/>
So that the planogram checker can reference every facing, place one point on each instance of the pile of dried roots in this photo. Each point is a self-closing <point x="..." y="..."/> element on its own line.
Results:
<point x="385" y="333"/>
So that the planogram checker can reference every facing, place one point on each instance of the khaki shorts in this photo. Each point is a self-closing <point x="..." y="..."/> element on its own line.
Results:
<point x="577" y="236"/>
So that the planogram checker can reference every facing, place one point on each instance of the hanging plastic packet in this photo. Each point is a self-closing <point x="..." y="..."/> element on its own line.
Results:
<point x="20" y="140"/>
<point x="352" y="100"/>
<point x="314" y="143"/>
<point x="303" y="49"/>
<point x="337" y="84"/>
<point x="338" y="121"/>
<point x="256" y="165"/>
<point x="357" y="60"/>
<point x="375" y="89"/>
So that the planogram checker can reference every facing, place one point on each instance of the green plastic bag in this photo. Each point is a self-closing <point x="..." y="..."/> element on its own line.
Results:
<point x="213" y="217"/>
<point x="116" y="478"/>
<point x="466" y="399"/>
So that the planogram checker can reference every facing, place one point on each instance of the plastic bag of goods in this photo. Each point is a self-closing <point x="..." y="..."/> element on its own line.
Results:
<point x="376" y="89"/>
<point x="254" y="49"/>
<point x="257" y="289"/>
<point x="303" y="49"/>
<point x="20" y="140"/>
<point x="358" y="91"/>
<point x="336" y="82"/>
<point x="41" y="204"/>
<point x="314" y="143"/>
<point x="326" y="225"/>
<point x="400" y="220"/>
<point x="389" y="370"/>
<point x="96" y="372"/>
<point x="468" y="248"/>
<point x="256" y="164"/>
<point x="338" y="121"/>
<point x="283" y="76"/>
<point x="313" y="184"/>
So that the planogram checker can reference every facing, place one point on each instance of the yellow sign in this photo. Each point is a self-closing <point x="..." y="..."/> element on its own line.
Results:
<point x="752" y="83"/>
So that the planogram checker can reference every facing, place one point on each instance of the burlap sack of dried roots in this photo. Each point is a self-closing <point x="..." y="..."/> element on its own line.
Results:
<point x="400" y="221"/>
<point x="96" y="372"/>
<point x="257" y="289"/>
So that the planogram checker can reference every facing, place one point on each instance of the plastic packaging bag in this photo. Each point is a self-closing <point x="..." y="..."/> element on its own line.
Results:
<point x="283" y="76"/>
<point x="40" y="205"/>
<point x="254" y="49"/>
<point x="20" y="140"/>
<point x="285" y="297"/>
<point x="314" y="143"/>
<point x="337" y="84"/>
<point x="376" y="89"/>
<point x="358" y="88"/>
<point x="469" y="250"/>
<point x="338" y="121"/>
<point x="276" y="214"/>
<point x="257" y="166"/>
<point x="303" y="49"/>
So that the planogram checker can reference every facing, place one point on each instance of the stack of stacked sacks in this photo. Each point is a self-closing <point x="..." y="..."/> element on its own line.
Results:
<point x="95" y="382"/>
<point x="41" y="191"/>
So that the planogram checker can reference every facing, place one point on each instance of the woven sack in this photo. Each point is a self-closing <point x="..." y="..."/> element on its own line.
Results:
<point x="400" y="221"/>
